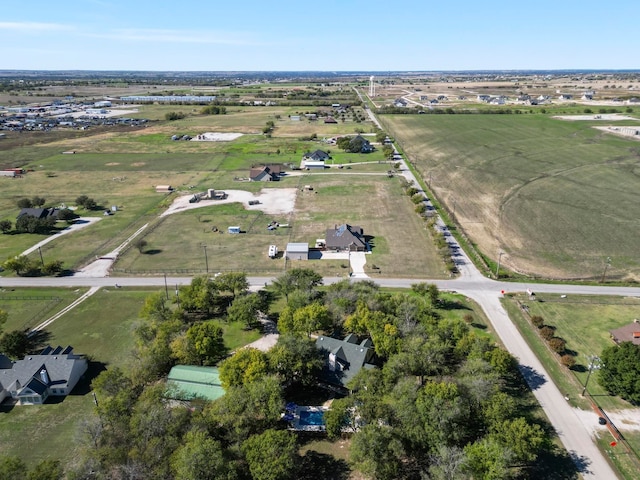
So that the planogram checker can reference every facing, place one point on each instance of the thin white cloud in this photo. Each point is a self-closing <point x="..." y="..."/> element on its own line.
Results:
<point x="30" y="27"/>
<point x="182" y="36"/>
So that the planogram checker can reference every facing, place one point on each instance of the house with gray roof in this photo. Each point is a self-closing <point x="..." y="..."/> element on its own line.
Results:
<point x="265" y="173"/>
<point x="317" y="156"/>
<point x="53" y="372"/>
<point x="345" y="237"/>
<point x="344" y="358"/>
<point x="39" y="213"/>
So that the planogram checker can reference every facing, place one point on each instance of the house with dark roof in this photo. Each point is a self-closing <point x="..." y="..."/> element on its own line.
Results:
<point x="53" y="372"/>
<point x="39" y="213"/>
<point x="345" y="237"/>
<point x="344" y="358"/>
<point x="265" y="173"/>
<point x="627" y="333"/>
<point x="317" y="156"/>
<point x="313" y="160"/>
<point x="360" y="144"/>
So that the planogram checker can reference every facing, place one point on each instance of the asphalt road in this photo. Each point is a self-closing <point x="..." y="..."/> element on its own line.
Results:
<point x="486" y="292"/>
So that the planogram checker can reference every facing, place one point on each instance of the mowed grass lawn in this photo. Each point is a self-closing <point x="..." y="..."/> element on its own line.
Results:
<point x="102" y="328"/>
<point x="402" y="245"/>
<point x="557" y="197"/>
<point x="27" y="307"/>
<point x="584" y="322"/>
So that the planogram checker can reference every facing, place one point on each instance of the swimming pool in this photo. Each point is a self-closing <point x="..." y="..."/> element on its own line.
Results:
<point x="311" y="417"/>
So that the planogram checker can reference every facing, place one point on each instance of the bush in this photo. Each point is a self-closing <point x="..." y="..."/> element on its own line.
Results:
<point x="411" y="191"/>
<point x="568" y="360"/>
<point x="25" y="203"/>
<point x="52" y="268"/>
<point x="537" y="321"/>
<point x="421" y="208"/>
<point x="557" y="344"/>
<point x="417" y="198"/>
<point x="547" y="332"/>
<point x="174" y="116"/>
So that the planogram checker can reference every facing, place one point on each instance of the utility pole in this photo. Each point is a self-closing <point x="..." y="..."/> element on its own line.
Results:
<point x="41" y="259"/>
<point x="166" y="287"/>
<point x="498" y="267"/>
<point x="206" y="259"/>
<point x="594" y="364"/>
<point x="607" y="263"/>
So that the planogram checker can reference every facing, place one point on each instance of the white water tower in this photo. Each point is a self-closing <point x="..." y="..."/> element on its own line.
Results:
<point x="372" y="87"/>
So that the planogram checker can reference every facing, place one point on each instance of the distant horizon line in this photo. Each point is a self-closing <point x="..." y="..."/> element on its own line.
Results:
<point x="333" y="72"/>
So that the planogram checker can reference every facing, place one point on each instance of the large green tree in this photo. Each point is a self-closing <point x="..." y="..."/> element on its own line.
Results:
<point x="295" y="359"/>
<point x="246" y="365"/>
<point x="200" y="457"/>
<point x="619" y="372"/>
<point x="272" y="455"/>
<point x="245" y="309"/>
<point x="14" y="344"/>
<point x="377" y="452"/>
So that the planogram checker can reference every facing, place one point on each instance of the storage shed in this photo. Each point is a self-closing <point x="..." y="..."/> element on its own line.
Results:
<point x="234" y="229"/>
<point x="297" y="251"/>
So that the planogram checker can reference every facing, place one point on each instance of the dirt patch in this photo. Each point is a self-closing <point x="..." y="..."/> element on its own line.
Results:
<point x="216" y="137"/>
<point x="599" y="117"/>
<point x="273" y="201"/>
<point x="138" y="164"/>
<point x="112" y="164"/>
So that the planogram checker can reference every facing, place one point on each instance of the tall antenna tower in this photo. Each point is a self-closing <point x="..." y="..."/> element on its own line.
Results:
<point x="372" y="87"/>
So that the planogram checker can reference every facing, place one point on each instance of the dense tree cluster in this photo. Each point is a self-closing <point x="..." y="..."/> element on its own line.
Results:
<point x="443" y="402"/>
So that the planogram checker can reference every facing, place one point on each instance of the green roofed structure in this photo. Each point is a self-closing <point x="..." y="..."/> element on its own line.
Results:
<point x="191" y="381"/>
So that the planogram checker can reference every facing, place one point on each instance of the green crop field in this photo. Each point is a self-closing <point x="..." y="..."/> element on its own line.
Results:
<point x="558" y="197"/>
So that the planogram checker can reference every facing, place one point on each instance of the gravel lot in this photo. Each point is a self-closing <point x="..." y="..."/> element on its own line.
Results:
<point x="272" y="201"/>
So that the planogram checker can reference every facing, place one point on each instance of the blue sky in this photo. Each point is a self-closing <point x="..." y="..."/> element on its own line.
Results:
<point x="329" y="35"/>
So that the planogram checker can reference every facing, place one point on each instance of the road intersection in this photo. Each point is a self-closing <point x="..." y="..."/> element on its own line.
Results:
<point x="471" y="282"/>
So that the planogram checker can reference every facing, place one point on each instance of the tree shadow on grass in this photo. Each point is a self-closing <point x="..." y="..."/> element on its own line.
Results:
<point x="316" y="465"/>
<point x="445" y="304"/>
<point x="38" y="340"/>
<point x="152" y="251"/>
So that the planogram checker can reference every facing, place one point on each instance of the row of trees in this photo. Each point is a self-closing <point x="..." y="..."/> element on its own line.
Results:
<point x="24" y="266"/>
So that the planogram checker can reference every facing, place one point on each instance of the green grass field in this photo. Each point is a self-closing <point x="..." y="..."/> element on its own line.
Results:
<point x="100" y="327"/>
<point x="557" y="197"/>
<point x="27" y="307"/>
<point x="584" y="322"/>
